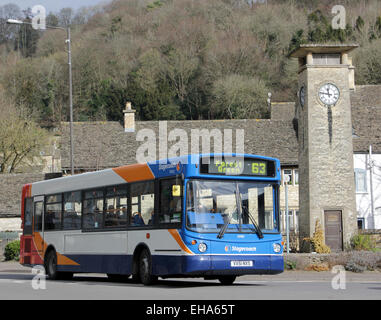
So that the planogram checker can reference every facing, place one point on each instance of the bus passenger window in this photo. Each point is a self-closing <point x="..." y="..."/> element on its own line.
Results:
<point x="116" y="207"/>
<point x="53" y="212"/>
<point x="142" y="203"/>
<point x="72" y="210"/>
<point x="93" y="210"/>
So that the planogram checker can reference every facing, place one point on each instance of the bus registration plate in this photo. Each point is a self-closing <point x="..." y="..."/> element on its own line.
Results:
<point x="241" y="263"/>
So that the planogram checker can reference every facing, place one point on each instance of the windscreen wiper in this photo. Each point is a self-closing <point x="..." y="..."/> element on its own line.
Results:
<point x="223" y="229"/>
<point x="257" y="229"/>
<point x="238" y="208"/>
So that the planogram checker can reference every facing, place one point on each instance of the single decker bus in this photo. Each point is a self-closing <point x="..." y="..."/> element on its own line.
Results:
<point x="214" y="216"/>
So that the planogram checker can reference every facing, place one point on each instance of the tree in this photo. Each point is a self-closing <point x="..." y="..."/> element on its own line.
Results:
<point x="8" y="11"/>
<point x="65" y="17"/>
<point x="20" y="139"/>
<point x="27" y="37"/>
<point x="239" y="97"/>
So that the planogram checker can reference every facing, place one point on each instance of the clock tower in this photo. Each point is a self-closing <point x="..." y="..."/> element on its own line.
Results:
<point x="326" y="187"/>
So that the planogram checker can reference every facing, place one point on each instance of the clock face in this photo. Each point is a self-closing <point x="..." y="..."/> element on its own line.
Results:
<point x="329" y="94"/>
<point x="302" y="96"/>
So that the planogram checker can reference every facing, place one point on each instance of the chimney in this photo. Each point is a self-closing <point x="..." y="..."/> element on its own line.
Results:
<point x="129" y="118"/>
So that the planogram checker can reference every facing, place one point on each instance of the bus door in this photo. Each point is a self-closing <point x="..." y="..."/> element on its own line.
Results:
<point x="38" y="224"/>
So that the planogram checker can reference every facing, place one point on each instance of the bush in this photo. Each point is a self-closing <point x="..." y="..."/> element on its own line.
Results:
<point x="318" y="240"/>
<point x="360" y="261"/>
<point x="354" y="267"/>
<point x="289" y="265"/>
<point x="12" y="250"/>
<point x="363" y="242"/>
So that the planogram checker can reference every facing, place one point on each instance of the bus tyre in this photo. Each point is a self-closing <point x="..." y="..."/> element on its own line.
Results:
<point x="145" y="268"/>
<point x="226" y="280"/>
<point x="51" y="265"/>
<point x="51" y="268"/>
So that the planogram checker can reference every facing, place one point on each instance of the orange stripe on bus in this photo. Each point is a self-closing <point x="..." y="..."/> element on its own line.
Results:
<point x="136" y="172"/>
<point x="176" y="236"/>
<point x="41" y="247"/>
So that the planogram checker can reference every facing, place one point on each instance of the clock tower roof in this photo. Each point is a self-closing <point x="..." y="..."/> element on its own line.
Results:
<point x="304" y="49"/>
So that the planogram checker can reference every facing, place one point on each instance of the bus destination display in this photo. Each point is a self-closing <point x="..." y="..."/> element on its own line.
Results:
<point x="235" y="166"/>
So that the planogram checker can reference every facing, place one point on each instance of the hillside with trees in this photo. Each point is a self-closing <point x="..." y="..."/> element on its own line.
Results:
<point x="175" y="59"/>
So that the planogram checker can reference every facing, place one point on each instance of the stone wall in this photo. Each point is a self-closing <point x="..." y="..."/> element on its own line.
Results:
<point x="374" y="234"/>
<point x="10" y="192"/>
<point x="10" y="224"/>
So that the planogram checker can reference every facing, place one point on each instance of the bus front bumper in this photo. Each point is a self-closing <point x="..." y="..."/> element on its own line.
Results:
<point x="233" y="264"/>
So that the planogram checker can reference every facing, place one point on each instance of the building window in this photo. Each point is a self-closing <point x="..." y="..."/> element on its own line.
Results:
<point x="72" y="210"/>
<point x="293" y="221"/>
<point x="53" y="212"/>
<point x="326" y="58"/>
<point x="360" y="180"/>
<point x="297" y="221"/>
<point x="296" y="177"/>
<point x="287" y="173"/>
<point x="361" y="223"/>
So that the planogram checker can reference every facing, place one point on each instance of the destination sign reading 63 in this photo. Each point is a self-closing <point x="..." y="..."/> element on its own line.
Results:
<point x="247" y="167"/>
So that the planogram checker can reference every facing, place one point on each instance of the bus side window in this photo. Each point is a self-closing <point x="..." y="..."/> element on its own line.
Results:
<point x="72" y="210"/>
<point x="93" y="210"/>
<point x="142" y="203"/>
<point x="53" y="212"/>
<point x="116" y="207"/>
<point x="170" y="201"/>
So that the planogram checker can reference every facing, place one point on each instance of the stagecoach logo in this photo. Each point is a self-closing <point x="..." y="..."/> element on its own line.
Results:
<point x="179" y="167"/>
<point x="240" y="249"/>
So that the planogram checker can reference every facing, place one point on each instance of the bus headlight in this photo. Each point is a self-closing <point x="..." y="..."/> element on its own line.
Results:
<point x="277" y="247"/>
<point x="202" y="247"/>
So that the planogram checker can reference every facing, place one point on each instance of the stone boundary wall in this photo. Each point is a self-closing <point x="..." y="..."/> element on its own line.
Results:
<point x="10" y="192"/>
<point x="374" y="234"/>
<point x="369" y="260"/>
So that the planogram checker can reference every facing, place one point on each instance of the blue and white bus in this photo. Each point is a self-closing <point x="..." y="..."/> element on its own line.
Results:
<point x="214" y="216"/>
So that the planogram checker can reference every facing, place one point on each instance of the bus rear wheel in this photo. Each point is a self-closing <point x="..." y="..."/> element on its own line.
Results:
<point x="227" y="280"/>
<point x="145" y="268"/>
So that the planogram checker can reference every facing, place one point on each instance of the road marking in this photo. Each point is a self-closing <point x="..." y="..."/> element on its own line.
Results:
<point x="306" y="281"/>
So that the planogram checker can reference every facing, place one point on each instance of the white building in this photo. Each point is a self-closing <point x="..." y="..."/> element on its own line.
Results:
<point x="368" y="187"/>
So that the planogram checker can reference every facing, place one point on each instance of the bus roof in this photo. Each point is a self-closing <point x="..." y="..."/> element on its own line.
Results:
<point x="186" y="165"/>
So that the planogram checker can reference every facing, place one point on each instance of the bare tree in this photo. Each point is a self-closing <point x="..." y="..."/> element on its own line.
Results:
<point x="8" y="11"/>
<point x="20" y="138"/>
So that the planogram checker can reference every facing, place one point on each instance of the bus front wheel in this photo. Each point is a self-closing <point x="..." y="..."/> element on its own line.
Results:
<point x="227" y="280"/>
<point x="51" y="268"/>
<point x="145" y="268"/>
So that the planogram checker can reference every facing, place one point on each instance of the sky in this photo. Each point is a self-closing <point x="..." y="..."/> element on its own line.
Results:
<point x="54" y="5"/>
